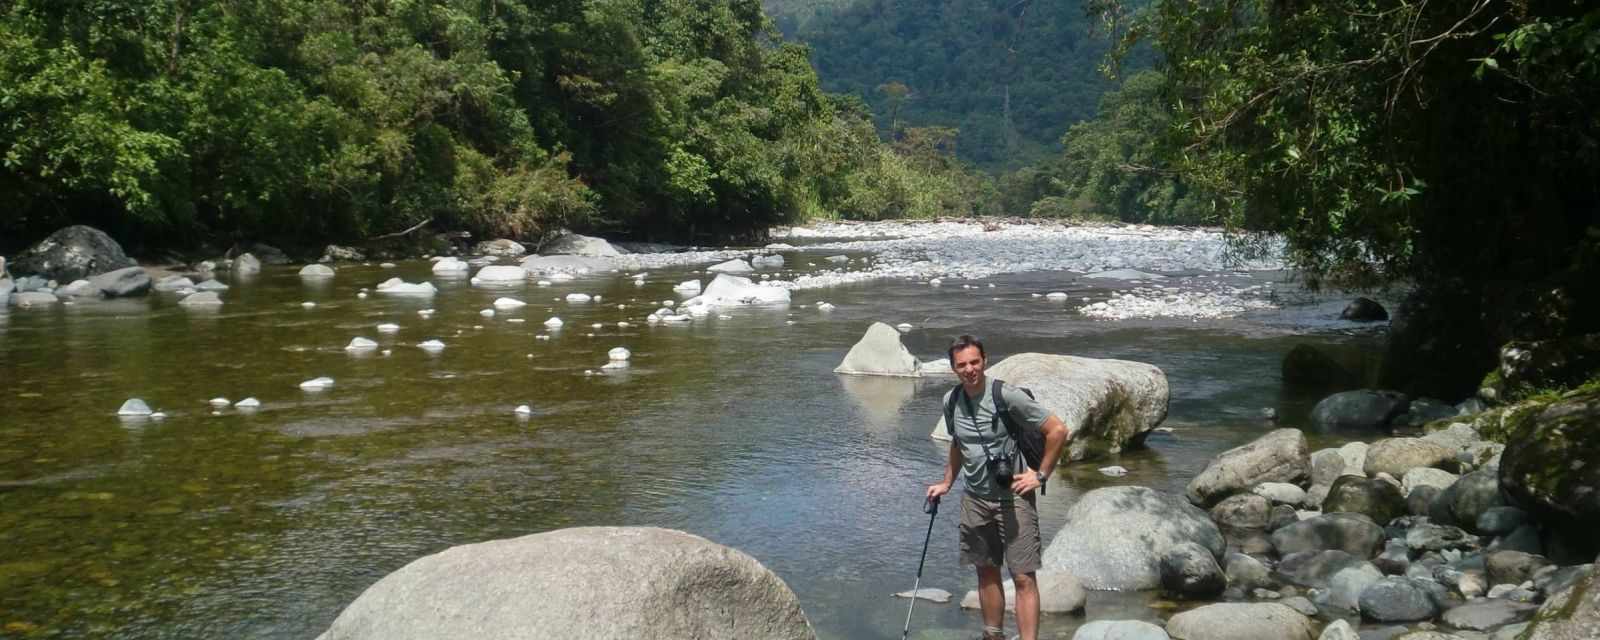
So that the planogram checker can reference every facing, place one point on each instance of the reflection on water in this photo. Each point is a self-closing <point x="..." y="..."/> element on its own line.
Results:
<point x="266" y="523"/>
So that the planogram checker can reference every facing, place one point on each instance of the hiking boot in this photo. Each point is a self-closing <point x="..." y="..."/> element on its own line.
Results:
<point x="992" y="636"/>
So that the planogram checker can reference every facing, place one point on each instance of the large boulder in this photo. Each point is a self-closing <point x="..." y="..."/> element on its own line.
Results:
<point x="579" y="245"/>
<point x="1375" y="499"/>
<point x="1110" y="404"/>
<point x="726" y="290"/>
<point x="1114" y="537"/>
<point x="132" y="281"/>
<point x="879" y="353"/>
<point x="1570" y="614"/>
<point x="1241" y="621"/>
<point x="1487" y="614"/>
<point x="1189" y="570"/>
<point x="501" y="248"/>
<point x="72" y="253"/>
<point x="1542" y="364"/>
<point x="1401" y="599"/>
<point x="593" y="582"/>
<point x="1551" y="465"/>
<point x="1315" y="569"/>
<point x="1363" y="410"/>
<point x="1059" y="592"/>
<point x="1396" y="456"/>
<point x="1351" y="533"/>
<point x="1279" y="456"/>
<point x="1463" y="502"/>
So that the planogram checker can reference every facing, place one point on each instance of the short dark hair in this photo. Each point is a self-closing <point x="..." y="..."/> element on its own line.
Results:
<point x="963" y="341"/>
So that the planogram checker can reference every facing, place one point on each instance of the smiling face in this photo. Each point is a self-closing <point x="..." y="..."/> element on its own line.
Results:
<point x="968" y="363"/>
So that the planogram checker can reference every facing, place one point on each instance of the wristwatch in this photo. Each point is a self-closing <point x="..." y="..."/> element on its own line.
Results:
<point x="1040" y="475"/>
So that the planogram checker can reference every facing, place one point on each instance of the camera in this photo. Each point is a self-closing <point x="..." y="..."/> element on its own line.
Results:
<point x="1002" y="469"/>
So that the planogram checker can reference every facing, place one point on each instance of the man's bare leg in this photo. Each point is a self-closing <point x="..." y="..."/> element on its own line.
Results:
<point x="1027" y="604"/>
<point x="992" y="597"/>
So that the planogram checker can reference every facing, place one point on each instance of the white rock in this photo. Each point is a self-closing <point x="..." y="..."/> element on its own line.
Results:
<point x="728" y="290"/>
<point x="386" y="265"/>
<point x="1115" y="471"/>
<point x="134" y="407"/>
<point x="360" y="344"/>
<point x="687" y="286"/>
<point x="578" y="297"/>
<point x="879" y="352"/>
<point x="500" y="275"/>
<point x="543" y="283"/>
<point x="935" y="282"/>
<point x="316" y="271"/>
<point x="247" y="403"/>
<point x="308" y="305"/>
<point x="623" y="324"/>
<point x="211" y="285"/>
<point x="450" y="266"/>
<point x="173" y="283"/>
<point x="220" y="402"/>
<point x="201" y="299"/>
<point x="731" y="266"/>
<point x="838" y="259"/>
<point x="425" y="312"/>
<point x="561" y="277"/>
<point x="614" y="365"/>
<point x="1056" y="295"/>
<point x="619" y="353"/>
<point x="397" y="286"/>
<point x="317" y="384"/>
<point x="362" y="295"/>
<point x="434" y="346"/>
<point x="825" y="307"/>
<point x="904" y="327"/>
<point x="508" y="303"/>
<point x="388" y="327"/>
<point x="554" y="323"/>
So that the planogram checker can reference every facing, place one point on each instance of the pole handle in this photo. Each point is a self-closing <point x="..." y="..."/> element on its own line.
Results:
<point x="931" y="505"/>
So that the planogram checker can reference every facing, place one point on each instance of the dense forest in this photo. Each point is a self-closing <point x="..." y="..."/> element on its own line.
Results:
<point x="1009" y="76"/>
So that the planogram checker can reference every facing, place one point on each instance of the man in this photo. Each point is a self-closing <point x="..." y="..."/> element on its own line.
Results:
<point x="999" y="519"/>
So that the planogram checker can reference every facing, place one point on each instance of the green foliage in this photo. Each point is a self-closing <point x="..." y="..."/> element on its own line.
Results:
<point x="1115" y="167"/>
<point x="1009" y="76"/>
<point x="1390" y="141"/>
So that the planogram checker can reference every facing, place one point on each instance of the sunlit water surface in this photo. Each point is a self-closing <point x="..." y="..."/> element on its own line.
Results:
<point x="266" y="524"/>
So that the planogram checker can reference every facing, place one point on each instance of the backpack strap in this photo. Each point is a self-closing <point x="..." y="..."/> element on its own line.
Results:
<point x="950" y="411"/>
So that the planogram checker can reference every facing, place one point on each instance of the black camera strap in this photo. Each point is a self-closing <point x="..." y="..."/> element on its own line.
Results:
<point x="994" y="422"/>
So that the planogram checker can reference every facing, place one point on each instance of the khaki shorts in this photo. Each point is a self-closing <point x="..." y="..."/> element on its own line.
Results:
<point x="1006" y="531"/>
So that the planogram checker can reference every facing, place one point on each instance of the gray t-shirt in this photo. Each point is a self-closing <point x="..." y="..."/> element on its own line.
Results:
<point x="975" y="429"/>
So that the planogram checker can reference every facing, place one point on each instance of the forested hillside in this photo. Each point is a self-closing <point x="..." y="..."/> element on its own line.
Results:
<point x="321" y="120"/>
<point x="1010" y="76"/>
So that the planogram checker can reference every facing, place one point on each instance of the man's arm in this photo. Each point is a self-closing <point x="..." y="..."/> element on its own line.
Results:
<point x="951" y="465"/>
<point x="1056" y="437"/>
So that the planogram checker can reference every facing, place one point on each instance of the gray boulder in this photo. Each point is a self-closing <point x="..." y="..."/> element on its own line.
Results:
<point x="173" y="283"/>
<point x="1278" y="456"/>
<point x="1112" y="405"/>
<point x="201" y="299"/>
<point x="1114" y="537"/>
<point x="246" y="264"/>
<point x="1189" y="570"/>
<point x="1281" y="493"/>
<point x="501" y="248"/>
<point x="132" y="281"/>
<point x="1059" y="592"/>
<point x="1395" y="559"/>
<point x="1328" y="464"/>
<point x="1375" y="499"/>
<point x="568" y="264"/>
<point x="1352" y="533"/>
<point x="1439" y="537"/>
<point x="1364" y="410"/>
<point x="1549" y="467"/>
<point x="1524" y="538"/>
<point x="1487" y="614"/>
<point x="880" y="353"/>
<point x="1399" y="599"/>
<point x="579" y="245"/>
<point x="1426" y="476"/>
<point x="1470" y="496"/>
<point x="1346" y="586"/>
<point x="72" y="253"/>
<point x="1338" y="630"/>
<point x="34" y="299"/>
<point x="1364" y="309"/>
<point x="594" y="582"/>
<point x="1315" y="569"/>
<point x="316" y="271"/>
<point x="1498" y="521"/>
<point x="1512" y="567"/>
<point x="1571" y="614"/>
<point x="1396" y="456"/>
<point x="1419" y="502"/>
<point x="1242" y="511"/>
<point x="1458" y="436"/>
<point x="1241" y="621"/>
<point x="336" y="253"/>
<point x="1120" y="630"/>
<point x="78" y="289"/>
<point x="1552" y="580"/>
<point x="261" y="251"/>
<point x="1246" y="573"/>
<point x="1422" y="411"/>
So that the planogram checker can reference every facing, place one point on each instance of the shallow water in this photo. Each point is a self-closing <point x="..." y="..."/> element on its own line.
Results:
<point x="266" y="524"/>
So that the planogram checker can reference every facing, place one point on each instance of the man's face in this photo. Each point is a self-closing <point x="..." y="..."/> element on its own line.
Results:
<point x="969" y="365"/>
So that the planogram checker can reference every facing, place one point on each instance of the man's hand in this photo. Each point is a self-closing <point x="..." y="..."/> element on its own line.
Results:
<point x="936" y="490"/>
<point x="1022" y="483"/>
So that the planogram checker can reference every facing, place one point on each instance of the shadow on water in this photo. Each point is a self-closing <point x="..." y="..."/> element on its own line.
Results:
<point x="266" y="524"/>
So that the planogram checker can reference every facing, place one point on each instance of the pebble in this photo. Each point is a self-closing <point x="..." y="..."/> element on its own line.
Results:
<point x="220" y="402"/>
<point x="317" y="384"/>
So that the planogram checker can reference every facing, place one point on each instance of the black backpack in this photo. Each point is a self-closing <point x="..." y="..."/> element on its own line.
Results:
<point x="1029" y="438"/>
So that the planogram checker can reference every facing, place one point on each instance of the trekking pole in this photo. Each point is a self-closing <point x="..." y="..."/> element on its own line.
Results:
<point x="930" y="507"/>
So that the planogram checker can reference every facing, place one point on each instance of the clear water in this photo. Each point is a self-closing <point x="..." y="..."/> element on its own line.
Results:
<point x="265" y="525"/>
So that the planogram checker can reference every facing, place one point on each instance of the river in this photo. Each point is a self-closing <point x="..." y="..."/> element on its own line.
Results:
<point x="265" y="524"/>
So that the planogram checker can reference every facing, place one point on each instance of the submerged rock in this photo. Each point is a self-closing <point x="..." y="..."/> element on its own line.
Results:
<point x="592" y="582"/>
<point x="134" y="407"/>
